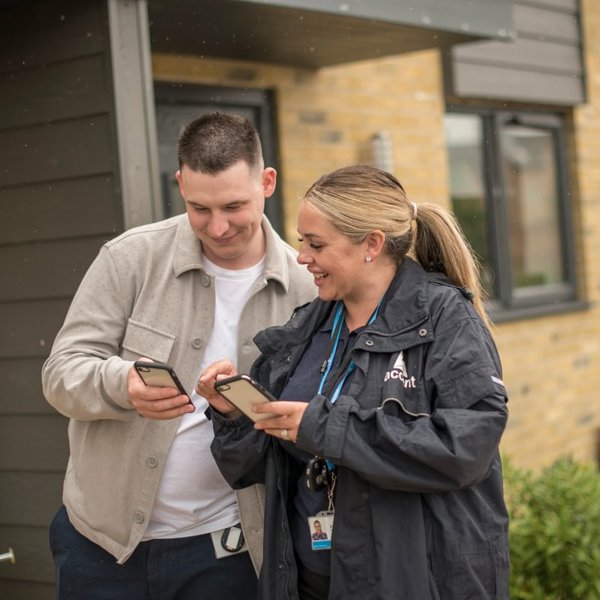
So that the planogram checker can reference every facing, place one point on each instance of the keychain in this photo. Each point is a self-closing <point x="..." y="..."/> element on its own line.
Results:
<point x="317" y="474"/>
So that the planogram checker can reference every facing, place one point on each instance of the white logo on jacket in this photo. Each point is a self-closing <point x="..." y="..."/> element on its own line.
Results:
<point x="399" y="372"/>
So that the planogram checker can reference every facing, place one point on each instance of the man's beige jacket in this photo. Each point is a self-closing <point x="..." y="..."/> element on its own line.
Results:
<point x="146" y="294"/>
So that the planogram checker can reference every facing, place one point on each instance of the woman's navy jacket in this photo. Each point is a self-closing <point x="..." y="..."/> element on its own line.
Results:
<point x="419" y="508"/>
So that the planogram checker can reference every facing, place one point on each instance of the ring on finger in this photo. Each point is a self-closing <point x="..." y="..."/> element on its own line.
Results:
<point x="284" y="434"/>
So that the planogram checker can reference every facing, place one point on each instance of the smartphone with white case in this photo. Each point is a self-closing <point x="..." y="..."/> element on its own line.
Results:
<point x="243" y="391"/>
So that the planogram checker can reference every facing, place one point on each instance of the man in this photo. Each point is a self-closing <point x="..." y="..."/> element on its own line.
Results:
<point x="147" y="513"/>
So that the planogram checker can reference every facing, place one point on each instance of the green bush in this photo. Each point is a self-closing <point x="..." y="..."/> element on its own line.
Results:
<point x="554" y="531"/>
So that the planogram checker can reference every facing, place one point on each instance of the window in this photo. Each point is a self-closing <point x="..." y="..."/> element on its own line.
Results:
<point x="510" y="195"/>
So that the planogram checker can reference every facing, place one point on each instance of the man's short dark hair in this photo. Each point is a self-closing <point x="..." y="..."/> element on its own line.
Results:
<point x="216" y="141"/>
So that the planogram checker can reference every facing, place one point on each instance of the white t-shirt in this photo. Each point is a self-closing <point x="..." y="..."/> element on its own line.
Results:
<point x="193" y="498"/>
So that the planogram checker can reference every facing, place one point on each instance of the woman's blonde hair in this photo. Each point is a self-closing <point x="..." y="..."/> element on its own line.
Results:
<point x="359" y="199"/>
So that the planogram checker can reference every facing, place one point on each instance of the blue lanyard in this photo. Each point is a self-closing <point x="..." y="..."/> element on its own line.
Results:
<point x="336" y="331"/>
<point x="338" y="323"/>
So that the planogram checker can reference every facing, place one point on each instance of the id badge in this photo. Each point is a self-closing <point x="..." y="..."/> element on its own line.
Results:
<point x="321" y="530"/>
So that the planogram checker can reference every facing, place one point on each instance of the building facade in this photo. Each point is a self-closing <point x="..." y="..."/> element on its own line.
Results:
<point x="493" y="114"/>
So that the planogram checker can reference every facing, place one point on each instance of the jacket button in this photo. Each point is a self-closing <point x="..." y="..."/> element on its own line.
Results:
<point x="197" y="343"/>
<point x="369" y="343"/>
<point x="205" y="280"/>
<point x="422" y="332"/>
<point x="152" y="462"/>
<point x="138" y="518"/>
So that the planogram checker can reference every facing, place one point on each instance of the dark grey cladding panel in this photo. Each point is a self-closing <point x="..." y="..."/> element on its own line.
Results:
<point x="64" y="262"/>
<point x="542" y="65"/>
<point x="37" y="32"/>
<point x="502" y="83"/>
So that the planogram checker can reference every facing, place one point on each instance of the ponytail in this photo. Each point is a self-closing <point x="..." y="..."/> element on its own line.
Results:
<point x="440" y="245"/>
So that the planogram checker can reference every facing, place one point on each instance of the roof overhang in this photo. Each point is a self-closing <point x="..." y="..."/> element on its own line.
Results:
<point x="318" y="33"/>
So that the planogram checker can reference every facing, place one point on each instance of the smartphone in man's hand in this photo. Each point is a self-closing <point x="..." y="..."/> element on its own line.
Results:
<point x="159" y="374"/>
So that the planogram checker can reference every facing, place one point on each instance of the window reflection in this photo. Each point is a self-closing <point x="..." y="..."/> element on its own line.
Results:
<point x="464" y="139"/>
<point x="530" y="190"/>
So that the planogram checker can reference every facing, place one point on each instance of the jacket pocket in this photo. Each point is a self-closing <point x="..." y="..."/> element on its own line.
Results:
<point x="143" y="340"/>
<point x="477" y="576"/>
<point x="468" y="544"/>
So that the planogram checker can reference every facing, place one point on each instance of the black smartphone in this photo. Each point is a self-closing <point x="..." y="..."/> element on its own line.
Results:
<point x="159" y="374"/>
<point x="243" y="391"/>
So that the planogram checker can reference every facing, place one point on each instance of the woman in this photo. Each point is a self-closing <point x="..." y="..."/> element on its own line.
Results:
<point x="391" y="414"/>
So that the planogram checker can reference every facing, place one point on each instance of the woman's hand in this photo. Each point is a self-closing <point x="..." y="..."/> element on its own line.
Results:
<point x="285" y="425"/>
<point x="206" y="386"/>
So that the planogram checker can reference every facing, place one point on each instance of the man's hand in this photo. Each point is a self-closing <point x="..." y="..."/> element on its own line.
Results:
<point x="155" y="402"/>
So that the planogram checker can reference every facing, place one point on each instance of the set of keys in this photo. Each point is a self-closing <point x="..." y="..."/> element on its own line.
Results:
<point x="318" y="475"/>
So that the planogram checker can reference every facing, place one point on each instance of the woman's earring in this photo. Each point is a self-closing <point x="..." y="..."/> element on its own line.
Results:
<point x="368" y="258"/>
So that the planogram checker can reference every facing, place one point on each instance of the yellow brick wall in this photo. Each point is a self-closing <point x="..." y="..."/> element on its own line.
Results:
<point x="326" y="119"/>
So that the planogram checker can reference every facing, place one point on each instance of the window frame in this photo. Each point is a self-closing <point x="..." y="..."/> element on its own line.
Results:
<point x="508" y="303"/>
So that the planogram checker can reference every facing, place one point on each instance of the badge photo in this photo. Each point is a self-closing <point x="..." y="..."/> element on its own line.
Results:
<point x="321" y="529"/>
